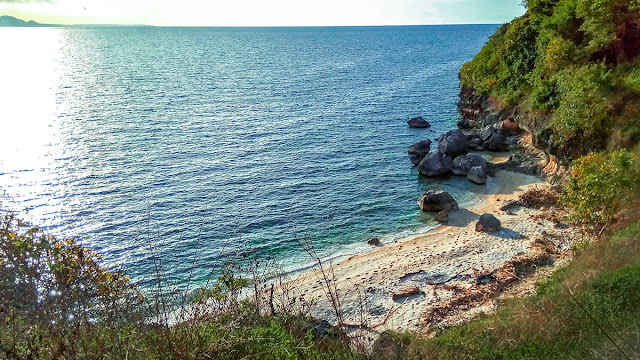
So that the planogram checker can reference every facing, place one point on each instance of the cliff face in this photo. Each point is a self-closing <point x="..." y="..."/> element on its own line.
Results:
<point x="567" y="72"/>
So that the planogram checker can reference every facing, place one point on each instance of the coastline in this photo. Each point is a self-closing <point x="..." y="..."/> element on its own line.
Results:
<point x="437" y="267"/>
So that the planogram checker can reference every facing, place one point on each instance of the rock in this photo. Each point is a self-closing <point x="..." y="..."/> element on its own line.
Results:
<point x="485" y="279"/>
<point x="511" y="140"/>
<point x="496" y="142"/>
<point x="491" y="118"/>
<point x="478" y="175"/>
<point x="437" y="201"/>
<point x="435" y="164"/>
<point x="418" y="122"/>
<point x="406" y="292"/>
<point x="488" y="223"/>
<point x="509" y="204"/>
<point x="463" y="163"/>
<point x="475" y="143"/>
<point x="453" y="143"/>
<point x="443" y="216"/>
<point x="486" y="133"/>
<point x="373" y="242"/>
<point x="463" y="123"/>
<point x="419" y="150"/>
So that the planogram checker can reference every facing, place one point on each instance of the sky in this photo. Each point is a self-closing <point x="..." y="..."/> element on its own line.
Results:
<point x="264" y="12"/>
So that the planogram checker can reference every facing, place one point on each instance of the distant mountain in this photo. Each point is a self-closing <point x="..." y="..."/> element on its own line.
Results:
<point x="10" y="21"/>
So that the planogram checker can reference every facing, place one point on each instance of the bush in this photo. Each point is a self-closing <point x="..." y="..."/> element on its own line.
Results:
<point x="584" y="112"/>
<point x="600" y="185"/>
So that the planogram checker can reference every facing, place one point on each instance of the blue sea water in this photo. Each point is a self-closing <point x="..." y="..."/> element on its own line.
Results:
<point x="186" y="143"/>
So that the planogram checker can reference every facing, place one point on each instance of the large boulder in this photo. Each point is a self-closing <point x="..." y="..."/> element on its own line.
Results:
<point x="496" y="142"/>
<point x="436" y="201"/>
<point x="488" y="223"/>
<point x="418" y="122"/>
<point x="419" y="150"/>
<point x="478" y="175"/>
<point x="435" y="164"/>
<point x="453" y="143"/>
<point x="463" y="163"/>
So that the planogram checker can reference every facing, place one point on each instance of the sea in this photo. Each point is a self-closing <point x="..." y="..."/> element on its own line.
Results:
<point x="181" y="149"/>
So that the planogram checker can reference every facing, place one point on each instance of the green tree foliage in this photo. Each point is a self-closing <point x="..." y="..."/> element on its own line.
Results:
<point x="583" y="109"/>
<point x="563" y="59"/>
<point x="600" y="185"/>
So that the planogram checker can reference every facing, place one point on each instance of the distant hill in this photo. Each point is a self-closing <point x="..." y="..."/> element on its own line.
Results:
<point x="10" y="21"/>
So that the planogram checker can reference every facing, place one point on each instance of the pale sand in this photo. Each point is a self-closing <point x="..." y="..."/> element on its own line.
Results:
<point x="367" y="282"/>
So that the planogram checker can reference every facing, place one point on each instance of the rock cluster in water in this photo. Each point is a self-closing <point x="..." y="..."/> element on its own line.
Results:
<point x="451" y="156"/>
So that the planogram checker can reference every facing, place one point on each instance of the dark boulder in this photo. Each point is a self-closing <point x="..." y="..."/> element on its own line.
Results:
<point x="453" y="143"/>
<point x="463" y="163"/>
<point x="418" y="122"/>
<point x="435" y="164"/>
<point x="488" y="223"/>
<point x="475" y="143"/>
<point x="436" y="201"/>
<point x="373" y="242"/>
<point x="419" y="150"/>
<point x="491" y="118"/>
<point x="478" y="175"/>
<point x="496" y="142"/>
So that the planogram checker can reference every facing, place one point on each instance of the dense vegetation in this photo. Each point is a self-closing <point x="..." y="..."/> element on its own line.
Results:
<point x="574" y="65"/>
<point x="58" y="302"/>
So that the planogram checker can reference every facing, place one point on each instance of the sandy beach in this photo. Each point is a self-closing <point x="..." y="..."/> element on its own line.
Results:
<point x="440" y="267"/>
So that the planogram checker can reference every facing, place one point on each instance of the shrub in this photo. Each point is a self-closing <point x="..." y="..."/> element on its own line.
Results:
<point x="56" y="299"/>
<point x="584" y="109"/>
<point x="600" y="185"/>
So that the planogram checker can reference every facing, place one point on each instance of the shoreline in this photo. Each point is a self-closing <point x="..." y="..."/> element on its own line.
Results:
<point x="433" y="268"/>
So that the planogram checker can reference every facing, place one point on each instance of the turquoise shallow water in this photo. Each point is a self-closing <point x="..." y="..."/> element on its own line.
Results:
<point x="187" y="143"/>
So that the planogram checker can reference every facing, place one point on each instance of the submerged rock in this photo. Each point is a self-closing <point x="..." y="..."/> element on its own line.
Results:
<point x="488" y="223"/>
<point x="437" y="201"/>
<point x="419" y="150"/>
<point x="453" y="143"/>
<point x="418" y="122"/>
